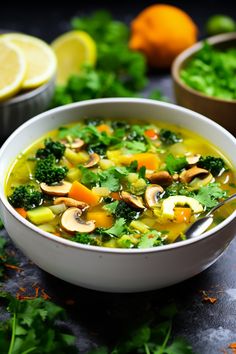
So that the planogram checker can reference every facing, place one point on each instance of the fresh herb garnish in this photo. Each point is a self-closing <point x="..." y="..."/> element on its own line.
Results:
<point x="212" y="72"/>
<point x="33" y="329"/>
<point x="175" y="164"/>
<point x="151" y="238"/>
<point x="209" y="195"/>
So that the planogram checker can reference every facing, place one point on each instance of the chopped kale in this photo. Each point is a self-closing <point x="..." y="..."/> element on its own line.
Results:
<point x="215" y="165"/>
<point x="25" y="196"/>
<point x="55" y="148"/>
<point x="169" y="137"/>
<point x="46" y="170"/>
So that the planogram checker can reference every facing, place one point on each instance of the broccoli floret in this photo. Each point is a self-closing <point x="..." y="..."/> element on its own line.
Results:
<point x="213" y="164"/>
<point x="123" y="210"/>
<point x="51" y="148"/>
<point x="168" y="137"/>
<point x="47" y="171"/>
<point x="86" y="239"/>
<point x="25" y="196"/>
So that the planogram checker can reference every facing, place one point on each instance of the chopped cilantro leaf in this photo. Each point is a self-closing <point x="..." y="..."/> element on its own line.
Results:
<point x="151" y="238"/>
<point x="117" y="229"/>
<point x="111" y="207"/>
<point x="175" y="164"/>
<point x="209" y="195"/>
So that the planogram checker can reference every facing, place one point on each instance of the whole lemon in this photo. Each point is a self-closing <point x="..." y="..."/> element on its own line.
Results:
<point x="161" y="32"/>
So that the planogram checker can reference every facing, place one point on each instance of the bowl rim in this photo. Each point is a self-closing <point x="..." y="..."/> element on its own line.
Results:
<point x="99" y="249"/>
<point x="25" y="96"/>
<point x="186" y="54"/>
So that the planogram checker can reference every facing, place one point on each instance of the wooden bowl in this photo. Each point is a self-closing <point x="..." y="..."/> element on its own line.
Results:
<point x="220" y="110"/>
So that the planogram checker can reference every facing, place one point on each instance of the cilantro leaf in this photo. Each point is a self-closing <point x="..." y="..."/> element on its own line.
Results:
<point x="209" y="195"/>
<point x="88" y="177"/>
<point x="117" y="229"/>
<point x="151" y="238"/>
<point x="134" y="146"/>
<point x="179" y="346"/>
<point x="111" y="207"/>
<point x="175" y="164"/>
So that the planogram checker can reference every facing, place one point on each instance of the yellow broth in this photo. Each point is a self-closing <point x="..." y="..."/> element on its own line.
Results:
<point x="156" y="147"/>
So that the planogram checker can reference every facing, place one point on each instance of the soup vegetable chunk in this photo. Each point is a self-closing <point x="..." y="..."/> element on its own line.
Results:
<point x="114" y="183"/>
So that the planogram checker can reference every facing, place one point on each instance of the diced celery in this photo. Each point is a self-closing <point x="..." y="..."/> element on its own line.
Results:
<point x="139" y="225"/>
<point x="40" y="215"/>
<point x="101" y="191"/>
<point x="76" y="157"/>
<point x="58" y="209"/>
<point x="48" y="228"/>
<point x="105" y="164"/>
<point x="73" y="174"/>
<point x="126" y="241"/>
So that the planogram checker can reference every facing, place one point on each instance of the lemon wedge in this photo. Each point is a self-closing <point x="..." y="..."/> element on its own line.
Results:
<point x="73" y="49"/>
<point x="40" y="58"/>
<point x="12" y="69"/>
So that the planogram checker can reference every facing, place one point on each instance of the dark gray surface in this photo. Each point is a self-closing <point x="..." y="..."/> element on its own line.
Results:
<point x="96" y="318"/>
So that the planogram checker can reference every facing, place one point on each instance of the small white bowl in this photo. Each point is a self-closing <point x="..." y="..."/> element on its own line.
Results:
<point x="115" y="270"/>
<point x="18" y="109"/>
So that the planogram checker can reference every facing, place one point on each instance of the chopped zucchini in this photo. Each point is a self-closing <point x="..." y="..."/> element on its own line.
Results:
<point x="40" y="215"/>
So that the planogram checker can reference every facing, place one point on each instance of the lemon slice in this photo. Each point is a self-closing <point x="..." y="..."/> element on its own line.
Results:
<point x="12" y="69"/>
<point x="73" y="49"/>
<point x="40" y="59"/>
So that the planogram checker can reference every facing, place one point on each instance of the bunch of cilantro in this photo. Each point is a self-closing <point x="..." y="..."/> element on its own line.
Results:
<point x="119" y="71"/>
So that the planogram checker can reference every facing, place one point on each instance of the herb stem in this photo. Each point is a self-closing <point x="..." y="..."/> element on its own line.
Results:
<point x="162" y="348"/>
<point x="10" y="351"/>
<point x="29" y="350"/>
<point x="146" y="347"/>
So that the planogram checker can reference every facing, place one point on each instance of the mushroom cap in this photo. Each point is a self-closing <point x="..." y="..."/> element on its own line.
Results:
<point x="133" y="200"/>
<point x="188" y="175"/>
<point x="60" y="189"/>
<point x="70" y="202"/>
<point x="152" y="194"/>
<point x="162" y="178"/>
<point x="72" y="222"/>
<point x="93" y="160"/>
<point x="193" y="159"/>
<point x="77" y="144"/>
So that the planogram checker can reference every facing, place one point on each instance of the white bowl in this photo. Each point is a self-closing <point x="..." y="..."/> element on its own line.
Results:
<point x="115" y="270"/>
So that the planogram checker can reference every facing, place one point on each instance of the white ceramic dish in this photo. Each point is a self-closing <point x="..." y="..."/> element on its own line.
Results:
<point x="115" y="270"/>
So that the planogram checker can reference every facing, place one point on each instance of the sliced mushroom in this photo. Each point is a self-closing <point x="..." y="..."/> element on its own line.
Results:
<point x="134" y="201"/>
<point x="72" y="222"/>
<point x="70" y="202"/>
<point x="162" y="178"/>
<point x="60" y="189"/>
<point x="152" y="194"/>
<point x="193" y="159"/>
<point x="77" y="144"/>
<point x="93" y="160"/>
<point x="188" y="175"/>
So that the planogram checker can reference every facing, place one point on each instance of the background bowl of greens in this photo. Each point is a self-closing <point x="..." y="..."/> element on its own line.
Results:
<point x="204" y="79"/>
<point x="115" y="269"/>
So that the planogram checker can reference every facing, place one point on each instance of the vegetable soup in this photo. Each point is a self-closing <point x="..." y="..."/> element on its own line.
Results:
<point x="119" y="183"/>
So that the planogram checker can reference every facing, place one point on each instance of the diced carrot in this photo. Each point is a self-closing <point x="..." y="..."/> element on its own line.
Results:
<point x="149" y="160"/>
<point x="102" y="218"/>
<point x="79" y="192"/>
<point x="104" y="128"/>
<point x="182" y="215"/>
<point x="150" y="133"/>
<point x="115" y="195"/>
<point x="22" y="212"/>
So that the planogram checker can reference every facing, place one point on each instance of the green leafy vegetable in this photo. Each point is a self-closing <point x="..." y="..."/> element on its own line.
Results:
<point x="46" y="170"/>
<point x="25" y="196"/>
<point x="55" y="148"/>
<point x="88" y="177"/>
<point x="178" y="188"/>
<point x="85" y="238"/>
<point x="117" y="229"/>
<point x="168" y="137"/>
<point x="123" y="210"/>
<point x="1" y="224"/>
<point x="151" y="338"/>
<point x="151" y="238"/>
<point x="26" y="328"/>
<point x="175" y="164"/>
<point x="209" y="195"/>
<point x="213" y="164"/>
<point x="111" y="207"/>
<point x="119" y="71"/>
<point x="212" y="72"/>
